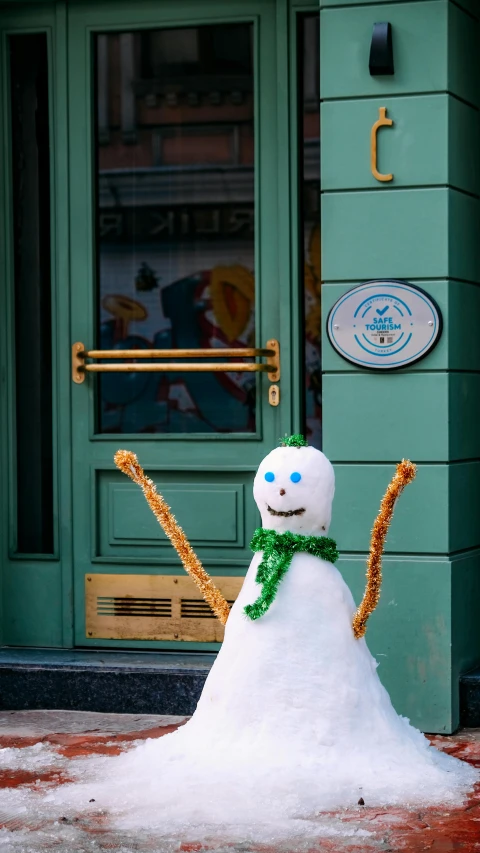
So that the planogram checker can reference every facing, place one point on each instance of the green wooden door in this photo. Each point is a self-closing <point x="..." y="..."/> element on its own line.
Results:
<point x="168" y="199"/>
<point x="176" y="218"/>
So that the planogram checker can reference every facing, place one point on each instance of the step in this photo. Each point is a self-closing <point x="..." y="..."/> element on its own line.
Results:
<point x="470" y="698"/>
<point x="113" y="682"/>
<point x="102" y="681"/>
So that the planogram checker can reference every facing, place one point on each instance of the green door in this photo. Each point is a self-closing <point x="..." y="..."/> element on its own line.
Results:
<point x="174" y="245"/>
<point x="160" y="195"/>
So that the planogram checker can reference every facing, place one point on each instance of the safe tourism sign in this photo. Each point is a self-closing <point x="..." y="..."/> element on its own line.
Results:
<point x="384" y="325"/>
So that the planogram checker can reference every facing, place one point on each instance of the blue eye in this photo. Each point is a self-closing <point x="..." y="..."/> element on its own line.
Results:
<point x="295" y="477"/>
<point x="269" y="476"/>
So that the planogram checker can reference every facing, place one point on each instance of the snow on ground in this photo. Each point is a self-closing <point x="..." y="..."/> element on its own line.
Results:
<point x="33" y="818"/>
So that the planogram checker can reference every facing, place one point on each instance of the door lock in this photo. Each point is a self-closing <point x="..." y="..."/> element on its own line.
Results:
<point x="274" y="395"/>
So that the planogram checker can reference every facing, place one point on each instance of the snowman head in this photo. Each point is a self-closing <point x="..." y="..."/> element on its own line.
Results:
<point x="294" y="488"/>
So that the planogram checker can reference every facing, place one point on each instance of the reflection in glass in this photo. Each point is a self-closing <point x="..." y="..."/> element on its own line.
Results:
<point x="30" y="157"/>
<point x="309" y="132"/>
<point x="175" y="221"/>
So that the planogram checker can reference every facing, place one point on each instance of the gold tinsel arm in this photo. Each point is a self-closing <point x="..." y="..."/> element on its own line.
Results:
<point x="404" y="475"/>
<point x="128" y="463"/>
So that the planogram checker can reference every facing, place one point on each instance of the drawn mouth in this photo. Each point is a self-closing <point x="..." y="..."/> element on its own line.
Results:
<point x="287" y="513"/>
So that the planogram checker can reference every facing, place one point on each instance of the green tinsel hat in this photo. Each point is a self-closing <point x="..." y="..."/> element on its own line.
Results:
<point x="293" y="441"/>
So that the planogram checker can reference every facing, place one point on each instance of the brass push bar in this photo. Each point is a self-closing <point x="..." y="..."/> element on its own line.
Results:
<point x="271" y="353"/>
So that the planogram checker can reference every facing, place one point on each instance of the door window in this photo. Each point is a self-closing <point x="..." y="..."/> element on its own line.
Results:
<point x="30" y="187"/>
<point x="175" y="244"/>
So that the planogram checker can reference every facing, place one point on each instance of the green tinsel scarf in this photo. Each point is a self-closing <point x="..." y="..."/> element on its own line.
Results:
<point x="278" y="550"/>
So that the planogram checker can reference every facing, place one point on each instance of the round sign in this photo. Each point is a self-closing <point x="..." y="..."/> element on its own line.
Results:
<point x="384" y="325"/>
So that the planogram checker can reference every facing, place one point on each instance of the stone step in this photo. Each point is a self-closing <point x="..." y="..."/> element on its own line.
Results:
<point x="470" y="699"/>
<point x="102" y="681"/>
<point x="114" y="682"/>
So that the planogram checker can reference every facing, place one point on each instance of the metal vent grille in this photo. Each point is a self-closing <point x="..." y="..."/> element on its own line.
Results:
<point x="196" y="608"/>
<point x="152" y="607"/>
<point x="129" y="606"/>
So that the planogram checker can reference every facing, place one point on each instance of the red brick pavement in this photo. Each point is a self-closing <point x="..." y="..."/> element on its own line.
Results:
<point x="439" y="829"/>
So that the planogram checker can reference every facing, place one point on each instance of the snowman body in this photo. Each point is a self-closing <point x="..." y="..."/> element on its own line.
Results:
<point x="300" y="666"/>
<point x="293" y="719"/>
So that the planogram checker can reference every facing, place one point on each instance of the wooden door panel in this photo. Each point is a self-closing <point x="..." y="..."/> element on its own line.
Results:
<point x="213" y="508"/>
<point x="175" y="228"/>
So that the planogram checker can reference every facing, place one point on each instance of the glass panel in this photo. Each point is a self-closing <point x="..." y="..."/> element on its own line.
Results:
<point x="33" y="328"/>
<point x="175" y="221"/>
<point x="309" y="72"/>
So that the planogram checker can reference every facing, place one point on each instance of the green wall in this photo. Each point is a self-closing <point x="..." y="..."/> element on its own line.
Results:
<point x="424" y="226"/>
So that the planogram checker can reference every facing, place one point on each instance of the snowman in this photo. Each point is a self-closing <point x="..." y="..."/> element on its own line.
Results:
<point x="293" y="694"/>
<point x="293" y="719"/>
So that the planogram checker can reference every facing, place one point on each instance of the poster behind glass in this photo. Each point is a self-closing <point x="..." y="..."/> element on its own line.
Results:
<point x="175" y="222"/>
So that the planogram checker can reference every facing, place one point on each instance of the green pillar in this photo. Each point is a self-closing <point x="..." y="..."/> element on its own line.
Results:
<point x="424" y="226"/>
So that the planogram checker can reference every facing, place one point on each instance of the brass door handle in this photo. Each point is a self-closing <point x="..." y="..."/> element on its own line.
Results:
<point x="382" y="121"/>
<point x="271" y="366"/>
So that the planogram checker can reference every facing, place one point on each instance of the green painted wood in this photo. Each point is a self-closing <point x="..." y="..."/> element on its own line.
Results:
<point x="463" y="231"/>
<point x="462" y="326"/>
<point x="425" y="412"/>
<point x="62" y="319"/>
<point x="385" y="234"/>
<point x="438" y="359"/>
<point x="410" y="635"/>
<point x="365" y="235"/>
<point x="464" y="38"/>
<point x="328" y="3"/>
<point x="211" y="454"/>
<point x="32" y="614"/>
<point x="463" y="146"/>
<point x="215" y="510"/>
<point x="463" y="41"/>
<point x="421" y="522"/>
<point x="464" y="506"/>
<point x="273" y="178"/>
<point x="437" y="514"/>
<point x="37" y="598"/>
<point x="464" y="416"/>
<point x="465" y="621"/>
<point x="415" y="149"/>
<point x="291" y="252"/>
<point x="4" y="341"/>
<point x="434" y="141"/>
<point x="383" y="418"/>
<point x="211" y="512"/>
<point x="471" y="6"/>
<point x="427" y="417"/>
<point x="420" y="44"/>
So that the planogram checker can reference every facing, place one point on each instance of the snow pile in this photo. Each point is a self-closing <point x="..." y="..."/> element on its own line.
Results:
<point x="36" y="758"/>
<point x="293" y="722"/>
<point x="63" y="838"/>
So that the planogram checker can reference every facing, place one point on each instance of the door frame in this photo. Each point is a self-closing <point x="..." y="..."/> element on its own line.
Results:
<point x="53" y="18"/>
<point x="33" y="583"/>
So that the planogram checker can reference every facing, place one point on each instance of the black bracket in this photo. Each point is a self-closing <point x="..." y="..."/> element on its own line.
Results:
<point x="381" y="50"/>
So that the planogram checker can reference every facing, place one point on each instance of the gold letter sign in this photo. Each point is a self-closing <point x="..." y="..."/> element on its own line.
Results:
<point x="381" y="122"/>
